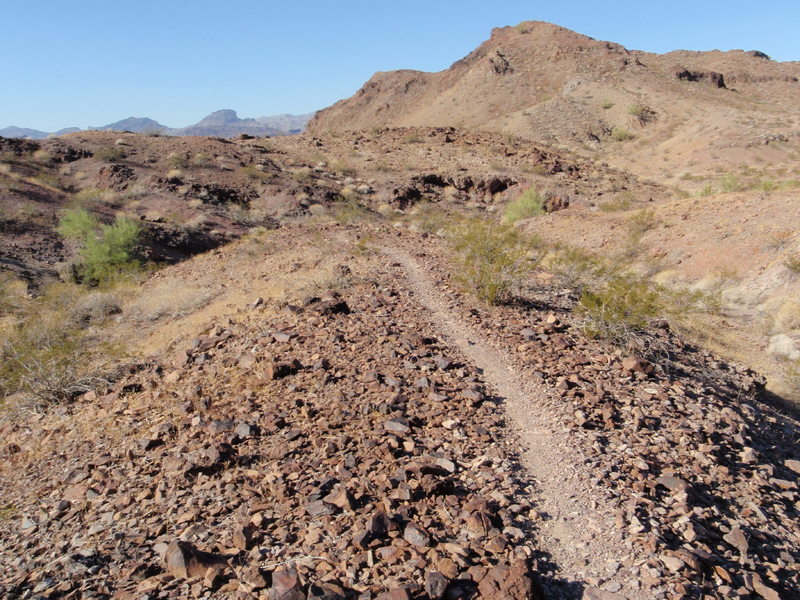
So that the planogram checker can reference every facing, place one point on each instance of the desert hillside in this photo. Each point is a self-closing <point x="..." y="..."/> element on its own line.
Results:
<point x="524" y="329"/>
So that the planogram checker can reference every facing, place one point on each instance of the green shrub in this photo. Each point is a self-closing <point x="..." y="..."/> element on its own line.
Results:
<point x="105" y="251"/>
<point x="606" y="104"/>
<point x="620" y="134"/>
<point x="527" y="205"/>
<point x="77" y="224"/>
<point x="491" y="258"/>
<point x="621" y="311"/>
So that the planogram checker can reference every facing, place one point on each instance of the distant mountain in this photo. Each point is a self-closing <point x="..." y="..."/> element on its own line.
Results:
<point x="135" y="124"/>
<point x="287" y="123"/>
<point x="226" y="123"/>
<point x="221" y="123"/>
<point x="23" y="132"/>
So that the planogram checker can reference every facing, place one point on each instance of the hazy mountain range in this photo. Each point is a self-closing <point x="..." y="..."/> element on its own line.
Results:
<point x="221" y="123"/>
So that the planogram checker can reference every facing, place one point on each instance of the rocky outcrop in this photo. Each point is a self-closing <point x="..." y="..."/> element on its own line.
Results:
<point x="711" y="78"/>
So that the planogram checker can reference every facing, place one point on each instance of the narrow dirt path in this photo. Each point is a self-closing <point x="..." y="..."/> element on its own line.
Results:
<point x="577" y="527"/>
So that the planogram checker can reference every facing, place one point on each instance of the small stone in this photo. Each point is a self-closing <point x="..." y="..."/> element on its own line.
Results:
<point x="435" y="584"/>
<point x="415" y="535"/>
<point x="737" y="539"/>
<point x="673" y="484"/>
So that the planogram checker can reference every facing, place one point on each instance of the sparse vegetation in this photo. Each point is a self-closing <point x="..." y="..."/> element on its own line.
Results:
<point x="43" y="348"/>
<point x="109" y="154"/>
<point x="620" y="203"/>
<point x="491" y="258"/>
<point x="730" y="183"/>
<point x="620" y="134"/>
<point x="792" y="262"/>
<point x="528" y="204"/>
<point x="606" y="104"/>
<point x="640" y="223"/>
<point x="621" y="311"/>
<point x="642" y="113"/>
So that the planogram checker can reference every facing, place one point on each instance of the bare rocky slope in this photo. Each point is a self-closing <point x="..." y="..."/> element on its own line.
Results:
<point x="547" y="83"/>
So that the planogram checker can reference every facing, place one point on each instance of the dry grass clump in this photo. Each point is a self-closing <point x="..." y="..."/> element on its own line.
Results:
<point x="528" y="204"/>
<point x="46" y="354"/>
<point x="792" y="262"/>
<point x="167" y="299"/>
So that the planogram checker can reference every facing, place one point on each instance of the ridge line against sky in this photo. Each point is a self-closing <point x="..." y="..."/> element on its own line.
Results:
<point x="175" y="61"/>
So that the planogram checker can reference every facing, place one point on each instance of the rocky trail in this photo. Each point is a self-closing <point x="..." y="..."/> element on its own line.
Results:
<point x="572" y="508"/>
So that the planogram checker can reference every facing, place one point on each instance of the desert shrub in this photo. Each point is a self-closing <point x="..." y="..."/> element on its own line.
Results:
<point x="642" y="113"/>
<point x="640" y="223"/>
<point x="792" y="262"/>
<point x="621" y="311"/>
<point x="12" y="293"/>
<point x="109" y="154"/>
<point x="87" y="196"/>
<point x="528" y="204"/>
<point x="707" y="190"/>
<point x="730" y="183"/>
<point x="427" y="217"/>
<point x="77" y="224"/>
<point x="491" y="258"/>
<point x="177" y="160"/>
<point x="105" y="251"/>
<point x="42" y="157"/>
<point x="606" y="104"/>
<point x="578" y="269"/>
<point x="619" y="203"/>
<point x="412" y="138"/>
<point x="201" y="160"/>
<point x="44" y="353"/>
<point x="348" y="210"/>
<point x="620" y="134"/>
<point x="95" y="307"/>
<point x="254" y="173"/>
<point x="340" y="167"/>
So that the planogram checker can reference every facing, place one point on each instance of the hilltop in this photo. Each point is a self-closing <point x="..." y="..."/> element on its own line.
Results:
<point x="685" y="112"/>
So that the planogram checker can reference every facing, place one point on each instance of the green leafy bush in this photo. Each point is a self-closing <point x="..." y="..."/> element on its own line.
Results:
<point x="105" y="251"/>
<point x="491" y="258"/>
<point x="528" y="205"/>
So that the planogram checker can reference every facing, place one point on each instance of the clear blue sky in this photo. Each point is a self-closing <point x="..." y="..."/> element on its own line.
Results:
<point x="92" y="62"/>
